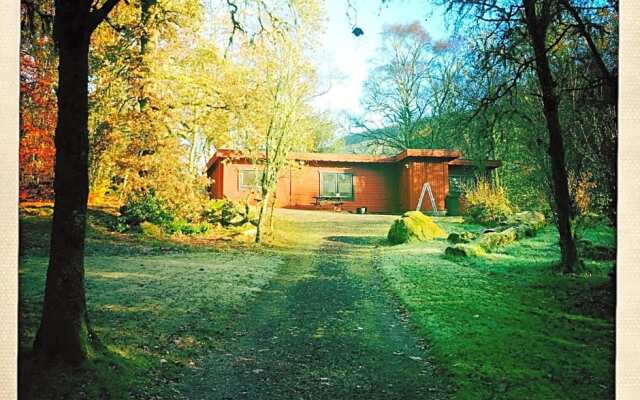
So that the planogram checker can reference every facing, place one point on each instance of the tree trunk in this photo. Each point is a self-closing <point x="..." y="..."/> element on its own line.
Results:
<point x="537" y="28"/>
<point x="264" y="205"/>
<point x="63" y="330"/>
<point x="273" y="207"/>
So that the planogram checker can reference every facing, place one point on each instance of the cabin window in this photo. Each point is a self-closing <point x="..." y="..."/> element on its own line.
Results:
<point x="248" y="179"/>
<point x="334" y="184"/>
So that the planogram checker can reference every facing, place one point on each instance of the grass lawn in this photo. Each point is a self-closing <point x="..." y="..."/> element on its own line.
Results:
<point x="506" y="326"/>
<point x="158" y="308"/>
<point x="180" y="319"/>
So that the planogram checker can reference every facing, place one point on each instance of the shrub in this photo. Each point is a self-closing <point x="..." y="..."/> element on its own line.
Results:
<point x="414" y="225"/>
<point x="144" y="208"/>
<point x="150" y="229"/>
<point x="592" y="251"/>
<point x="590" y="221"/>
<point x="487" y="204"/>
<point x="226" y="212"/>
<point x="581" y="189"/>
<point x="180" y="226"/>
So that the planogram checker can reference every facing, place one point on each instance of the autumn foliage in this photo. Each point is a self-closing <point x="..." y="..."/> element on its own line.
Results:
<point x="37" y="120"/>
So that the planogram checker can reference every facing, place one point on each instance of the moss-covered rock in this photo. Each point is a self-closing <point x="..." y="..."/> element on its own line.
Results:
<point x="461" y="237"/>
<point x="516" y="227"/>
<point x="464" y="250"/>
<point x="529" y="221"/>
<point x="491" y="240"/>
<point x="414" y="226"/>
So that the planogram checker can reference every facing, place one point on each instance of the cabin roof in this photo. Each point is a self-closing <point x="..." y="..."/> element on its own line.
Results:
<point x="348" y="158"/>
<point x="491" y="164"/>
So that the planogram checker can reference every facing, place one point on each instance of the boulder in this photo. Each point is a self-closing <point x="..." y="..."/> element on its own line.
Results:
<point x="517" y="226"/>
<point x="464" y="250"/>
<point x="491" y="240"/>
<point x="414" y="226"/>
<point x="531" y="221"/>
<point x="461" y="237"/>
<point x="247" y="230"/>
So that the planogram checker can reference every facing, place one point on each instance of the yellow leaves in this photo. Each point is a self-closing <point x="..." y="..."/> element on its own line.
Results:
<point x="168" y="105"/>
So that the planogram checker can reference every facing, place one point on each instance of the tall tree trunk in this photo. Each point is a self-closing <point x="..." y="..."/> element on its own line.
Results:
<point x="264" y="205"/>
<point x="63" y="331"/>
<point x="271" y="211"/>
<point x="537" y="28"/>
<point x="192" y="152"/>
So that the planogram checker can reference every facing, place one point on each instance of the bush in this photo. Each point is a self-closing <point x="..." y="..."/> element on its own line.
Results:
<point x="180" y="226"/>
<point x="414" y="225"/>
<point x="152" y="230"/>
<point x="226" y="212"/>
<point x="590" y="221"/>
<point x="582" y="189"/>
<point x="144" y="208"/>
<point x="592" y="251"/>
<point x="487" y="204"/>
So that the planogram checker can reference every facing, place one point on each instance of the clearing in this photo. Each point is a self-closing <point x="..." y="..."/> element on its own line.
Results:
<point x="329" y="311"/>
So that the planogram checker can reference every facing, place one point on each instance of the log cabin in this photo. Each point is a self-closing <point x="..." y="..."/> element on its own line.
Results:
<point x="379" y="184"/>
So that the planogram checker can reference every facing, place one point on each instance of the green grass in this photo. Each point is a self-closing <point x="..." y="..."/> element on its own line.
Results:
<point x="167" y="312"/>
<point x="158" y="308"/>
<point x="505" y="325"/>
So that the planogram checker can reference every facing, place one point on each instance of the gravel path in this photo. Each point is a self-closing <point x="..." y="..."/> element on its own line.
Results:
<point x="323" y="329"/>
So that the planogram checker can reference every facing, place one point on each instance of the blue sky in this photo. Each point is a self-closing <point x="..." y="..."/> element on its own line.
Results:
<point x="347" y="58"/>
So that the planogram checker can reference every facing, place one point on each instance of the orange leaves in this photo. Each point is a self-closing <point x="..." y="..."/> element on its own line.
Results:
<point x="38" y="110"/>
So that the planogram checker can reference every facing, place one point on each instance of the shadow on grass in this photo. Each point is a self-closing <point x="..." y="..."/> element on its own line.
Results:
<point x="330" y="335"/>
<point x="359" y="240"/>
<point x="101" y="239"/>
<point x="94" y="379"/>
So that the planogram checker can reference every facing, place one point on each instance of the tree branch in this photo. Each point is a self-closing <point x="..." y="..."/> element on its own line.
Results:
<point x="99" y="14"/>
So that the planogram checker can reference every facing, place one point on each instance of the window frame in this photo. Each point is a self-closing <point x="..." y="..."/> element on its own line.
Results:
<point x="242" y="186"/>
<point x="336" y="193"/>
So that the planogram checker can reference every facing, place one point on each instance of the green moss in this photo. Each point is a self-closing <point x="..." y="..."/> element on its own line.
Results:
<point x="492" y="240"/>
<point x="529" y="221"/>
<point x="464" y="237"/>
<point x="414" y="226"/>
<point x="464" y="250"/>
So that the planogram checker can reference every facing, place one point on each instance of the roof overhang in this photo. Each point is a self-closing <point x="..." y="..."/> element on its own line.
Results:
<point x="428" y="153"/>
<point x="451" y="156"/>
<point x="489" y="164"/>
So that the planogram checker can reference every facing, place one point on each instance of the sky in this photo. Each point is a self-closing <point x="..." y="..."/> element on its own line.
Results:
<point x="347" y="58"/>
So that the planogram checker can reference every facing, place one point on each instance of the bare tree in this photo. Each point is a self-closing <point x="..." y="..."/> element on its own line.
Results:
<point x="412" y="84"/>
